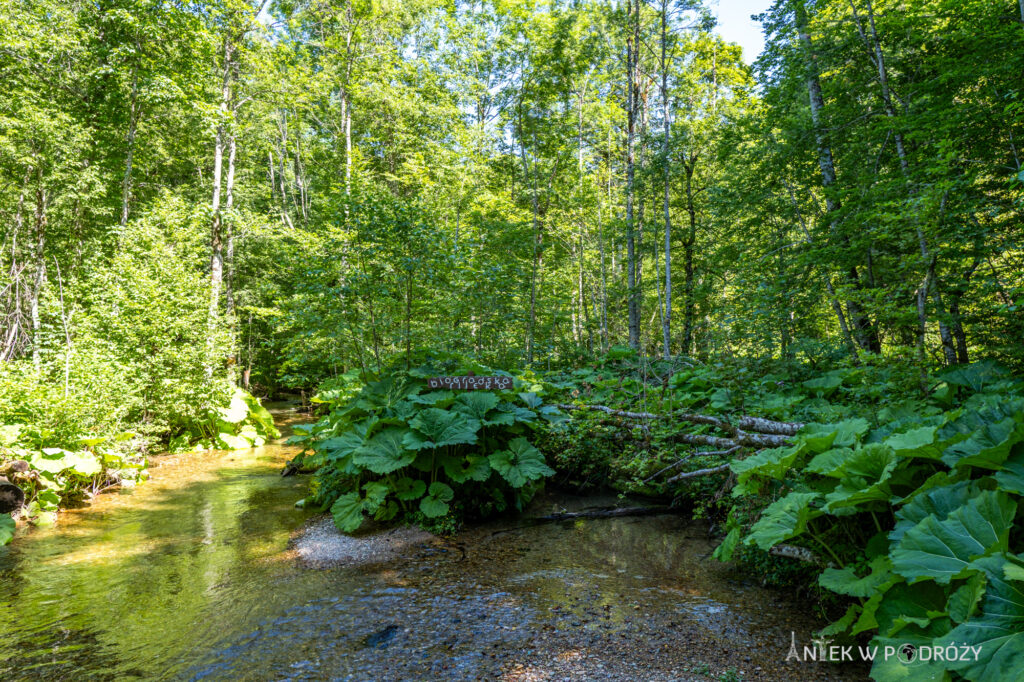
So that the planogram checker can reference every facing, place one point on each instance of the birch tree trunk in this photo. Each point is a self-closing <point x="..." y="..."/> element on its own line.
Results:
<point x="666" y="320"/>
<point x="216" y="224"/>
<point x="133" y="122"/>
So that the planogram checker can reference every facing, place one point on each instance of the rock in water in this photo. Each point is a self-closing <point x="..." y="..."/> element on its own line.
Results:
<point x="11" y="496"/>
<point x="381" y="638"/>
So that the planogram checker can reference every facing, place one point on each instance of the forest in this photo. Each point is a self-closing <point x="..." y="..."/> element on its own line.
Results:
<point x="787" y="295"/>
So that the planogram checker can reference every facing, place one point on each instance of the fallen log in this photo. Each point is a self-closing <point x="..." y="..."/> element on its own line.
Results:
<point x="613" y="513"/>
<point x="759" y="425"/>
<point x="799" y="553"/>
<point x="699" y="472"/>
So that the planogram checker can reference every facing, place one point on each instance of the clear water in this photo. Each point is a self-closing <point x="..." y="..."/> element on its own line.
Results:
<point x="189" y="577"/>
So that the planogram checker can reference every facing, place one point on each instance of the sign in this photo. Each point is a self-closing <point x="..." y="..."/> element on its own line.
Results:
<point x="471" y="383"/>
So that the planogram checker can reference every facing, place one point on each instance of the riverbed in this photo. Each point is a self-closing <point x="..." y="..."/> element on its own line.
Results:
<point x="190" y="577"/>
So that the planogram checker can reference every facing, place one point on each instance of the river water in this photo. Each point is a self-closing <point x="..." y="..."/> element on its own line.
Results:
<point x="189" y="577"/>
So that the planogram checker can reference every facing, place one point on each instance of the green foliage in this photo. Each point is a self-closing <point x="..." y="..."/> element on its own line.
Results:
<point x="919" y="514"/>
<point x="395" y="448"/>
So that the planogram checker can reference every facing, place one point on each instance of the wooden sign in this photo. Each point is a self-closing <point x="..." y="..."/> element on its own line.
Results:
<point x="471" y="383"/>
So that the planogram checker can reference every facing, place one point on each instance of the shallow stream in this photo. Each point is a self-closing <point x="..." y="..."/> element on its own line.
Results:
<point x="189" y="577"/>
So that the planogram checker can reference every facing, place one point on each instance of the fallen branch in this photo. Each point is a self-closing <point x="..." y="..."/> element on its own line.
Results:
<point x="707" y="453"/>
<point x="763" y="428"/>
<point x="604" y="513"/>
<point x="798" y="553"/>
<point x="699" y="472"/>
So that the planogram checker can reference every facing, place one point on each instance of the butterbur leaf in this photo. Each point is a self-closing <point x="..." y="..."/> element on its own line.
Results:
<point x="443" y="398"/>
<point x="462" y="469"/>
<point x="865" y="477"/>
<point x="476" y="404"/>
<point x="830" y="462"/>
<point x="998" y="629"/>
<point x="376" y="493"/>
<point x="347" y="511"/>
<point x="387" y="512"/>
<point x="1011" y="478"/>
<point x="783" y="519"/>
<point x="532" y="400"/>
<point x="918" y="442"/>
<point x="943" y="549"/>
<point x="435" y="504"/>
<point x="520" y="464"/>
<point x="409" y="489"/>
<point x="771" y="463"/>
<point x="845" y="580"/>
<point x="7" y="527"/>
<point x="435" y="428"/>
<point x="724" y="551"/>
<point x="964" y="600"/>
<point x="385" y="452"/>
<point x="236" y="411"/>
<point x="939" y="502"/>
<point x="844" y="623"/>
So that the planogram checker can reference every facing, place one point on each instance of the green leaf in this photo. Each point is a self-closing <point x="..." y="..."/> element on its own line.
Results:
<point x="964" y="600"/>
<point x="7" y="527"/>
<point x="783" y="519"/>
<point x="435" y="504"/>
<point x="771" y="463"/>
<point x="462" y="469"/>
<point x="433" y="398"/>
<point x="376" y="493"/>
<point x="532" y="400"/>
<point x="998" y="629"/>
<point x="347" y="511"/>
<point x="844" y="623"/>
<point x="48" y="500"/>
<point x="845" y="580"/>
<point x="943" y="550"/>
<point x="830" y="462"/>
<point x="1011" y="478"/>
<point x="436" y="428"/>
<point x="385" y="452"/>
<point x="476" y="404"/>
<point x="725" y="550"/>
<point x="938" y="502"/>
<point x="520" y="464"/>
<point x="865" y="477"/>
<point x="235" y="412"/>
<point x="409" y="488"/>
<point x="918" y="442"/>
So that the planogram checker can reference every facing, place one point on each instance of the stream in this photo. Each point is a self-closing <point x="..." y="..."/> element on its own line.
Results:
<point x="190" y="577"/>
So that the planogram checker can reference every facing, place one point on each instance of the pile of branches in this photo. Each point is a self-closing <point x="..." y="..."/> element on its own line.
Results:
<point x="744" y="436"/>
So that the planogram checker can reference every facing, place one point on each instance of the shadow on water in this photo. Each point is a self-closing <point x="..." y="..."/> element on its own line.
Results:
<point x="187" y="577"/>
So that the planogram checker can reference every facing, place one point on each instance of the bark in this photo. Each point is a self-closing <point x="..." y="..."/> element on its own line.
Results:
<point x="40" y="268"/>
<point x="930" y="285"/>
<point x="133" y="121"/>
<point x="216" y="225"/>
<point x="760" y="425"/>
<point x="721" y="468"/>
<point x="689" y="305"/>
<point x="666" y="321"/>
<point x="632" y="92"/>
<point x="864" y="331"/>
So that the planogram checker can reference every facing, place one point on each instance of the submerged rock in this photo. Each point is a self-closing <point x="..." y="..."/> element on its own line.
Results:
<point x="321" y="545"/>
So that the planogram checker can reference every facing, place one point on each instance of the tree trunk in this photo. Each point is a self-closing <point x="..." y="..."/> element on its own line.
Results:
<point x="632" y="57"/>
<point x="666" y="321"/>
<point x="689" y="305"/>
<point x="931" y="286"/>
<point x="865" y="333"/>
<point x="216" y="232"/>
<point x="133" y="121"/>
<point x="40" y="268"/>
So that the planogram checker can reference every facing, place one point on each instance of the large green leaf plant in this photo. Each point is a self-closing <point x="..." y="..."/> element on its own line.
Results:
<point x="919" y="522"/>
<point x="399" y="449"/>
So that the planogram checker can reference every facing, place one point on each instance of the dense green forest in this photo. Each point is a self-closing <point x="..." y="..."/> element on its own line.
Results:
<point x="789" y="294"/>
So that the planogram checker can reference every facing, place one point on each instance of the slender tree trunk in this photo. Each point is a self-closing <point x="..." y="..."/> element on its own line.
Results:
<point x="931" y="286"/>
<point x="40" y="269"/>
<point x="632" y="57"/>
<point x="689" y="304"/>
<point x="582" y="232"/>
<point x="216" y="225"/>
<point x="133" y="121"/>
<point x="865" y="333"/>
<point x="666" y="321"/>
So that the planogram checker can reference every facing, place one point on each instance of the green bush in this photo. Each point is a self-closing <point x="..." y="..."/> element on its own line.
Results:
<point x="398" y="449"/>
<point x="918" y="517"/>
